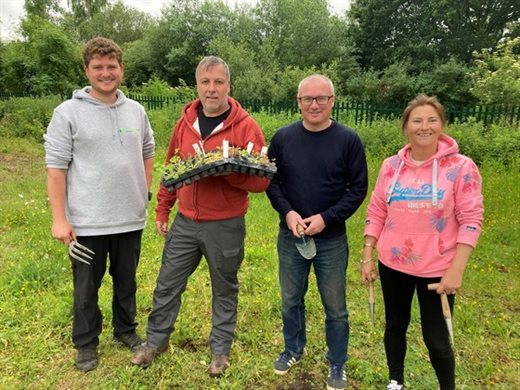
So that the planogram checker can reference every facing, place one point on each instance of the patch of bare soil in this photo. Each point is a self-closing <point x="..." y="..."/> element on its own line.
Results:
<point x="14" y="165"/>
<point x="304" y="381"/>
<point x="188" y="345"/>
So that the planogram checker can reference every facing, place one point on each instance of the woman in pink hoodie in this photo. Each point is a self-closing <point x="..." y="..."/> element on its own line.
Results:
<point x="425" y="215"/>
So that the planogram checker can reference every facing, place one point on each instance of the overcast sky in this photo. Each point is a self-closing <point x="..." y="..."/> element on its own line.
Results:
<point x="12" y="10"/>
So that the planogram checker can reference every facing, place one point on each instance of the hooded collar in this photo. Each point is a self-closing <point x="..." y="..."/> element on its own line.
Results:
<point x="83" y="94"/>
<point x="237" y="114"/>
<point x="445" y="147"/>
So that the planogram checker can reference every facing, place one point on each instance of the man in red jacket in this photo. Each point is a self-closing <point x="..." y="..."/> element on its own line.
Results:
<point x="210" y="221"/>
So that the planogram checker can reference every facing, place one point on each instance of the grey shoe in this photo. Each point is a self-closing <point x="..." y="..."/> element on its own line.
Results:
<point x="284" y="362"/>
<point x="130" y="340"/>
<point x="145" y="353"/>
<point x="87" y="359"/>
<point x="219" y="364"/>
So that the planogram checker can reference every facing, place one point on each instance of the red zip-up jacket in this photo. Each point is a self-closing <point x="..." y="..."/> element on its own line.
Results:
<point x="214" y="197"/>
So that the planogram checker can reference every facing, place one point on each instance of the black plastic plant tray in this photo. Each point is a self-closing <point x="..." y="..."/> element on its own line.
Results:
<point x="234" y="164"/>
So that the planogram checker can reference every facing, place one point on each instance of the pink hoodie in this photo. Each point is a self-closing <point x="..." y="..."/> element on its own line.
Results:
<point x="418" y="214"/>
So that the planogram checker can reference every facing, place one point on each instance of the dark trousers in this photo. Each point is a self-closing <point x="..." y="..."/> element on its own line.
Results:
<point x="398" y="290"/>
<point x="222" y="244"/>
<point x="123" y="250"/>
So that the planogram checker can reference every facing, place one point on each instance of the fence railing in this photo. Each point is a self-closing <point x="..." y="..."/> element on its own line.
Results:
<point x="157" y="102"/>
<point x="356" y="112"/>
<point x="359" y="112"/>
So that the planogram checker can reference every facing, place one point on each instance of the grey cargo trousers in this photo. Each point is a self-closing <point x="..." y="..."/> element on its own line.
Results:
<point x="222" y="244"/>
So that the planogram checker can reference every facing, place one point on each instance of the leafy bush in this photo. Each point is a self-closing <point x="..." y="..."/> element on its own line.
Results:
<point x="270" y="123"/>
<point x="495" y="143"/>
<point x="499" y="143"/>
<point x="162" y="122"/>
<point x="26" y="117"/>
<point x="382" y="138"/>
<point x="497" y="74"/>
<point x="158" y="87"/>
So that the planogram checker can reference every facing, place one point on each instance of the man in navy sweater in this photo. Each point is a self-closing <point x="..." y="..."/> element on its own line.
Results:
<point x="321" y="181"/>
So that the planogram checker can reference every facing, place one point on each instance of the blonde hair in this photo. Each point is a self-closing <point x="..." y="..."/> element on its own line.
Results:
<point x="423" y="100"/>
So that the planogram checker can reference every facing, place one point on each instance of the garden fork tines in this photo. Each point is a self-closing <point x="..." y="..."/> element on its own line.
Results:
<point x="80" y="252"/>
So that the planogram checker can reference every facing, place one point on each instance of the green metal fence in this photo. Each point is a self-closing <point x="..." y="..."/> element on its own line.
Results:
<point x="360" y="112"/>
<point x="156" y="102"/>
<point x="355" y="112"/>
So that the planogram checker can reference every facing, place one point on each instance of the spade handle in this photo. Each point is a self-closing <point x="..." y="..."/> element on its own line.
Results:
<point x="300" y="229"/>
<point x="444" y="300"/>
<point x="371" y="292"/>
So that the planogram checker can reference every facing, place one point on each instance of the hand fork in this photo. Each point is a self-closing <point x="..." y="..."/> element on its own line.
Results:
<point x="80" y="252"/>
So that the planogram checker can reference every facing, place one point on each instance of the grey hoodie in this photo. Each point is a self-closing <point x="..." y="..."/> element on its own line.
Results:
<point x="102" y="147"/>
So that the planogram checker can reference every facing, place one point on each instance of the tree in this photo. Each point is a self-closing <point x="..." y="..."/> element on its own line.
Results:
<point x="83" y="10"/>
<point x="45" y="9"/>
<point x="45" y="62"/>
<point x="182" y="37"/>
<point x="497" y="74"/>
<point x="303" y="32"/>
<point x="138" y="61"/>
<point x="449" y="81"/>
<point x="386" y="31"/>
<point x="119" y="22"/>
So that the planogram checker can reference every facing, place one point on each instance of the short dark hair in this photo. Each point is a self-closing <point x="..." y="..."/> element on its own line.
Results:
<point x="101" y="47"/>
<point x="423" y="100"/>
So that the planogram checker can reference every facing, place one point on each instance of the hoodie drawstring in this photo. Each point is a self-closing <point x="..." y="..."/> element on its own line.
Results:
<point x="118" y="128"/>
<point x="435" y="194"/>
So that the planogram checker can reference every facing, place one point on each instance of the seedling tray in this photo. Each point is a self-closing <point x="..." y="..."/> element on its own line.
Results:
<point x="240" y="164"/>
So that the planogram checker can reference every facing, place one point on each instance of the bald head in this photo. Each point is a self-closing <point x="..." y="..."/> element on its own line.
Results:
<point x="316" y="78"/>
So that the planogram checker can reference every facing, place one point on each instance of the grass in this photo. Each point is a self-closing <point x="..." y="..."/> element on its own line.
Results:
<point x="36" y="301"/>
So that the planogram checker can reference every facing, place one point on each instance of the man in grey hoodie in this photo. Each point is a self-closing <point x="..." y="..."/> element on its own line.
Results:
<point x="99" y="154"/>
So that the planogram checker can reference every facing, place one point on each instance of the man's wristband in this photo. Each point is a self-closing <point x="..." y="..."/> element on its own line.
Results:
<point x="365" y="261"/>
<point x="367" y="245"/>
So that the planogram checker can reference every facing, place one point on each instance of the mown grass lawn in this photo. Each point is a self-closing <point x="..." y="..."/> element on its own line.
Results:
<point x="36" y="301"/>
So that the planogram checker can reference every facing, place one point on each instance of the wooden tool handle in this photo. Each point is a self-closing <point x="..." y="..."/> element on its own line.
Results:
<point x="444" y="300"/>
<point x="371" y="298"/>
<point x="300" y="229"/>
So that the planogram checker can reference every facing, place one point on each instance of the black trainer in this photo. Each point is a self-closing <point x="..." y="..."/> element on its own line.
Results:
<point x="131" y="340"/>
<point x="284" y="362"/>
<point x="87" y="358"/>
<point x="337" y="378"/>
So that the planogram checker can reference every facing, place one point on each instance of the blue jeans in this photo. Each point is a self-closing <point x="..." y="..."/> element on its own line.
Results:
<point x="330" y="267"/>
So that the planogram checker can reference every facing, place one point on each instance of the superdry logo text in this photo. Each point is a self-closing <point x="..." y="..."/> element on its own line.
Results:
<point x="424" y="192"/>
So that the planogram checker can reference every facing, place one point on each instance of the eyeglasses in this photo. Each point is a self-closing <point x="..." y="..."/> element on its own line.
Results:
<point x="321" y="100"/>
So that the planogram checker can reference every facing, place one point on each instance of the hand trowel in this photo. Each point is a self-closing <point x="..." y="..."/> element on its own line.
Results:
<point x="307" y="248"/>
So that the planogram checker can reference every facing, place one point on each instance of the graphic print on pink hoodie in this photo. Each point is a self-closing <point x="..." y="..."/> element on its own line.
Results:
<point x="418" y="213"/>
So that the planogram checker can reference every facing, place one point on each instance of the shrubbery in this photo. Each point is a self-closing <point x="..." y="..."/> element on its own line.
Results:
<point x="26" y="117"/>
<point x="163" y="121"/>
<point x="500" y="144"/>
<point x="495" y="143"/>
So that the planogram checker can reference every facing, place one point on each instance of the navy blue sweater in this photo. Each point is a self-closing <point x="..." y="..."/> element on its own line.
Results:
<point x="322" y="172"/>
